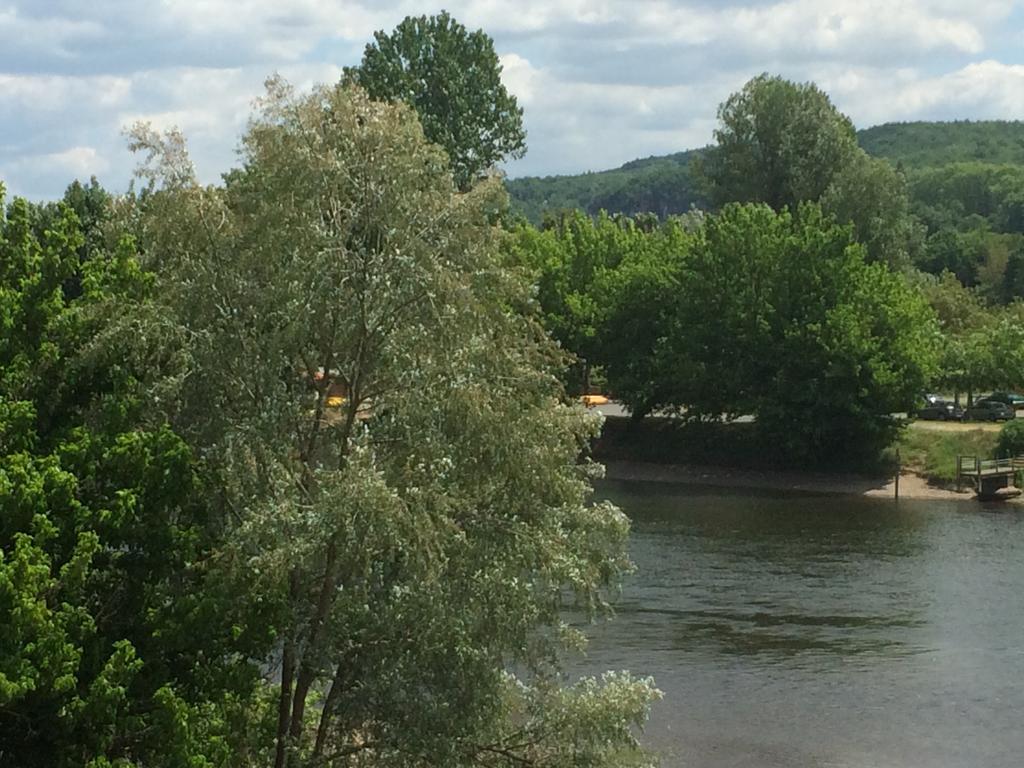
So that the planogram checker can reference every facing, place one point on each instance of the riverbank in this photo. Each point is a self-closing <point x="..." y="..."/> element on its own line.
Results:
<point x="912" y="486"/>
<point x="730" y="455"/>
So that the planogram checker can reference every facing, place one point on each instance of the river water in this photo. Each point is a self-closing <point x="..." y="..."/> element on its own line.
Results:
<point x="822" y="631"/>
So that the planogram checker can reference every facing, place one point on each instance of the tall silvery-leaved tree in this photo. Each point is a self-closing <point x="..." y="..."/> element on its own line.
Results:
<point x="416" y="543"/>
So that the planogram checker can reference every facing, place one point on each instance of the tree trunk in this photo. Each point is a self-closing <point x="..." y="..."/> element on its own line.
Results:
<point x="307" y="671"/>
<point x="284" y="706"/>
<point x="325" y="715"/>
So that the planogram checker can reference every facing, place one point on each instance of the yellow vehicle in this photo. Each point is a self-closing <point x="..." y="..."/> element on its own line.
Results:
<point x="336" y="391"/>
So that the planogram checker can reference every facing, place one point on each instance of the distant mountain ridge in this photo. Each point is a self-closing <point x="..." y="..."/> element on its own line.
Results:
<point x="663" y="184"/>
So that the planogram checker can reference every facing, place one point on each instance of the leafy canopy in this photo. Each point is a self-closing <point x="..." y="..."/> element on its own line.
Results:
<point x="420" y="540"/>
<point x="780" y="316"/>
<point x="779" y="143"/>
<point x="746" y="312"/>
<point x="452" y="78"/>
<point x="114" y="647"/>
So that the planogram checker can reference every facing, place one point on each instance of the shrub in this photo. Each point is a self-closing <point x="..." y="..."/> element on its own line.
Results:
<point x="1011" y="439"/>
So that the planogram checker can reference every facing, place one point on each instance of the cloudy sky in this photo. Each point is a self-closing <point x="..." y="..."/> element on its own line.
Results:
<point x="601" y="81"/>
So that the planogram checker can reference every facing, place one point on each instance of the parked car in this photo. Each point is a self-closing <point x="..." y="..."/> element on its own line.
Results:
<point x="989" y="410"/>
<point x="1011" y="399"/>
<point x="940" y="410"/>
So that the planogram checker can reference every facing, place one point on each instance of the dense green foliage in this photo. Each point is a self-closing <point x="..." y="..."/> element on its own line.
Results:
<point x="587" y="271"/>
<point x="1011" y="439"/>
<point x="872" y="196"/>
<point x="660" y="185"/>
<point x="954" y="226"/>
<point x="982" y="347"/>
<point x="417" y="543"/>
<point x="749" y="311"/>
<point x="921" y="145"/>
<point x="784" y="144"/>
<point x="912" y="146"/>
<point x="781" y="317"/>
<point x="113" y="642"/>
<point x="452" y="78"/>
<point x="203" y="561"/>
<point x="777" y="142"/>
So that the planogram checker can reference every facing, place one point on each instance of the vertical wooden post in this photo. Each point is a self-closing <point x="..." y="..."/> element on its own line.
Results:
<point x="899" y="470"/>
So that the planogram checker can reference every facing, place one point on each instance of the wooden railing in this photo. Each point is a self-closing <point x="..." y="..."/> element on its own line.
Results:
<point x="973" y="468"/>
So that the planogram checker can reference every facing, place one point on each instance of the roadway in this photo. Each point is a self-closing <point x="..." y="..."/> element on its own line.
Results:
<point x="613" y="408"/>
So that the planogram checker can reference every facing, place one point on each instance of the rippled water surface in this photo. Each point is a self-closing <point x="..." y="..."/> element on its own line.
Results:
<point x="819" y="631"/>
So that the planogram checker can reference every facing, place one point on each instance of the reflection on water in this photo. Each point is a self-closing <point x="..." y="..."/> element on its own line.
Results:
<point x="822" y="631"/>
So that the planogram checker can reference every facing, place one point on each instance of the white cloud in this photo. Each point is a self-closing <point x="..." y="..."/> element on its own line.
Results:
<point x="57" y="93"/>
<point x="53" y="34"/>
<point x="836" y="26"/>
<point x="520" y="78"/>
<point x="535" y="15"/>
<point x="980" y="90"/>
<point x="601" y="81"/>
<point x="856" y="27"/>
<point x="75" y="161"/>
<point x="280" y="31"/>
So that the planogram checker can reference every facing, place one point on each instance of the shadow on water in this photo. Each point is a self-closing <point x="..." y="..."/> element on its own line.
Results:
<point x="772" y="638"/>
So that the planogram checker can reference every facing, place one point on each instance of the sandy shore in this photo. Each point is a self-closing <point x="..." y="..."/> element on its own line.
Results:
<point x="911" y="486"/>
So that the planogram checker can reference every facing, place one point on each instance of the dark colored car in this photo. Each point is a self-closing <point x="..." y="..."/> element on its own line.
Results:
<point x="989" y="410"/>
<point x="1011" y="399"/>
<point x="940" y="410"/>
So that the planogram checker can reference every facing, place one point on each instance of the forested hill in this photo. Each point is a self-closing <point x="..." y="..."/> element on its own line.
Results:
<point x="929" y="145"/>
<point x="663" y="185"/>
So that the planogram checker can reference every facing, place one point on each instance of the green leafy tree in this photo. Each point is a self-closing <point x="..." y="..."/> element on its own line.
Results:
<point x="452" y="78"/>
<point x="958" y="309"/>
<point x="872" y="195"/>
<point x="599" y="287"/>
<point x="959" y="190"/>
<point x="982" y="346"/>
<point x="92" y="205"/>
<point x="113" y="646"/>
<point x="1011" y="439"/>
<point x="778" y="142"/>
<point x="778" y="315"/>
<point x="962" y="253"/>
<point x="784" y="143"/>
<point x="570" y="258"/>
<point x="638" y="297"/>
<point x="1013" y="276"/>
<point x="418" y="541"/>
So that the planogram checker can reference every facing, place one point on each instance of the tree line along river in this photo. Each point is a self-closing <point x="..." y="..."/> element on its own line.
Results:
<point x="806" y="631"/>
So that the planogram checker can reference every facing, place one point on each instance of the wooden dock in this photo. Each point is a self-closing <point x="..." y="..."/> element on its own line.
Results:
<point x="988" y="476"/>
